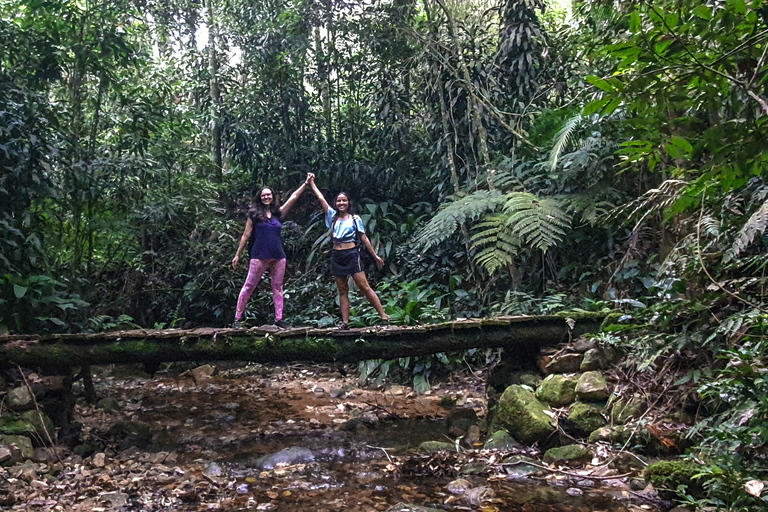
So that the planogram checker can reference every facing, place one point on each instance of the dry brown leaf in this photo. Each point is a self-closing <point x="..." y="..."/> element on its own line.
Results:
<point x="754" y="487"/>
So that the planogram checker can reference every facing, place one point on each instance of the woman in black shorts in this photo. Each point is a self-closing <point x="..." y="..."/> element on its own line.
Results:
<point x="346" y="228"/>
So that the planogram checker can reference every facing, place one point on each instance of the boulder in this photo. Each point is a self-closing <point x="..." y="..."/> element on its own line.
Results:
<point x="436" y="446"/>
<point x="28" y="422"/>
<point x="42" y="424"/>
<point x="583" y="345"/>
<point x="557" y="390"/>
<point x="20" y="399"/>
<point x="594" y="359"/>
<point x="592" y="387"/>
<point x="587" y="417"/>
<point x="523" y="415"/>
<point x="570" y="454"/>
<point x="21" y="443"/>
<point x="500" y="440"/>
<point x="565" y="363"/>
<point x="624" y="410"/>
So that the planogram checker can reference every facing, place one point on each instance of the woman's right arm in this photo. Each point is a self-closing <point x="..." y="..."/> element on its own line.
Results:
<point x="243" y="242"/>
<point x="318" y="194"/>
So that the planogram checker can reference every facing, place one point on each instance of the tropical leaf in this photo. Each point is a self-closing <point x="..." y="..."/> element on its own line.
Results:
<point x="455" y="213"/>
<point x="753" y="228"/>
<point x="540" y="222"/>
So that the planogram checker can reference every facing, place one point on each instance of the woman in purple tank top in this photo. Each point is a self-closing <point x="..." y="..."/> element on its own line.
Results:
<point x="267" y="253"/>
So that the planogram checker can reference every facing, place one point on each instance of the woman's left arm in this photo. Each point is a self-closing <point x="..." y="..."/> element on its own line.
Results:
<point x="284" y="209"/>
<point x="369" y="247"/>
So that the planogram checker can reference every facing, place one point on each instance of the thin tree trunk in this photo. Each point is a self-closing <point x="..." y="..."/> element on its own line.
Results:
<point x="213" y="69"/>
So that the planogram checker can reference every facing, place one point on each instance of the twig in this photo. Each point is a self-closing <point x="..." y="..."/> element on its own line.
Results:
<point x="382" y="449"/>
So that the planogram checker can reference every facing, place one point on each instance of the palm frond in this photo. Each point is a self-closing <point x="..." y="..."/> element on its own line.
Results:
<point x="538" y="221"/>
<point x="561" y="140"/>
<point x="454" y="213"/>
<point x="753" y="228"/>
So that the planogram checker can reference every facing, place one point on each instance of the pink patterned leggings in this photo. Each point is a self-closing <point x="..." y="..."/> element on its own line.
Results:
<point x="255" y="271"/>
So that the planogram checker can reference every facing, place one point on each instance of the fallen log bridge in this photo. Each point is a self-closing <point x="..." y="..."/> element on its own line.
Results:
<point x="521" y="335"/>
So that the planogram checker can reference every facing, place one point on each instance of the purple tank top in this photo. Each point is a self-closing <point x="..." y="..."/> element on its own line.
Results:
<point x="267" y="243"/>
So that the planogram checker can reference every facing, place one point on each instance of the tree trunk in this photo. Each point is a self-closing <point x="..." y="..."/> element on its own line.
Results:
<point x="213" y="69"/>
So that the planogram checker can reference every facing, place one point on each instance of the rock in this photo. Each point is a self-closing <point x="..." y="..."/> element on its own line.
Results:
<point x="586" y="416"/>
<point x="557" y="390"/>
<point x="523" y="415"/>
<point x="473" y="437"/>
<point x="459" y="486"/>
<point x="592" y="387"/>
<point x="618" y="434"/>
<point x="625" y="410"/>
<point x="22" y="443"/>
<point x="500" y="440"/>
<point x="565" y="363"/>
<point x="288" y="456"/>
<point x="436" y="446"/>
<point x="203" y="374"/>
<point x="139" y="429"/>
<point x="20" y="399"/>
<point x="41" y="423"/>
<point x="99" y="460"/>
<point x="405" y="507"/>
<point x="583" y="345"/>
<point x="569" y="454"/>
<point x="519" y="466"/>
<point x="627" y="462"/>
<point x="27" y="472"/>
<point x="213" y="470"/>
<point x="574" y="491"/>
<point x="670" y="474"/>
<point x="460" y="419"/>
<point x="53" y="383"/>
<point x="115" y="499"/>
<point x="478" y="495"/>
<point x="108" y="404"/>
<point x="594" y="359"/>
<point x="637" y="484"/>
<point x="5" y="454"/>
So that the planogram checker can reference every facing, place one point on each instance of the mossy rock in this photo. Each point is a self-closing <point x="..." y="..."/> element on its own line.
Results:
<point x="592" y="387"/>
<point x="42" y="424"/>
<point x="523" y="415"/>
<point x="22" y="442"/>
<point x="671" y="474"/>
<point x="436" y="446"/>
<point x="594" y="359"/>
<point x="587" y="417"/>
<point x="27" y="422"/>
<point x="569" y="454"/>
<point x="520" y="466"/>
<point x="617" y="434"/>
<point x="500" y="440"/>
<point x="625" y="410"/>
<point x="557" y="390"/>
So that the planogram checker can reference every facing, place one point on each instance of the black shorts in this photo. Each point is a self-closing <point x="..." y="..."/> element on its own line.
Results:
<point x="345" y="262"/>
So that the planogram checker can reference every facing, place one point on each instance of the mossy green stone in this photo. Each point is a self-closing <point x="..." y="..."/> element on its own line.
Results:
<point x="12" y="424"/>
<point x="23" y="442"/>
<point x="436" y="446"/>
<point x="572" y="453"/>
<point x="557" y="390"/>
<point x="622" y="411"/>
<point x="592" y="387"/>
<point x="586" y="416"/>
<point x="523" y="415"/>
<point x="500" y="440"/>
<point x="41" y="423"/>
<point x="669" y="474"/>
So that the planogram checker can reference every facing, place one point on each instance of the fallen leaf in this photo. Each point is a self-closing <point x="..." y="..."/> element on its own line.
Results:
<point x="754" y="487"/>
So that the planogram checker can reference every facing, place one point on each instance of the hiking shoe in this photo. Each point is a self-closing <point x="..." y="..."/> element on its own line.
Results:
<point x="237" y="324"/>
<point x="343" y="326"/>
<point x="280" y="324"/>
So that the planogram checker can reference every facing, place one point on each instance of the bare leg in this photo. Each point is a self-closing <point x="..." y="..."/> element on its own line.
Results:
<point x="343" y="286"/>
<point x="362" y="284"/>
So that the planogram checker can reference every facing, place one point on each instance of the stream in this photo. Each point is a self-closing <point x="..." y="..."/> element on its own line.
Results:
<point x="206" y="439"/>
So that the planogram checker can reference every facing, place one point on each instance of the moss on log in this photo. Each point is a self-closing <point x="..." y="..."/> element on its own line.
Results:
<point x="524" y="335"/>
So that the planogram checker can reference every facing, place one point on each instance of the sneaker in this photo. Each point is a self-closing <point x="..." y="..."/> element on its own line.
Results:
<point x="343" y="326"/>
<point x="280" y="324"/>
<point x="237" y="324"/>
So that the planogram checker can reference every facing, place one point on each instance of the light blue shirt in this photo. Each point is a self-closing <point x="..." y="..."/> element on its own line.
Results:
<point x="343" y="230"/>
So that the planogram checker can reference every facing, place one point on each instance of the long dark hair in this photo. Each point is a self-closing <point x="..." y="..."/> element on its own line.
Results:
<point x="258" y="211"/>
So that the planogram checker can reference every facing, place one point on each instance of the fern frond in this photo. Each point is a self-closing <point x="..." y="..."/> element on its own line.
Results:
<point x="450" y="217"/>
<point x="561" y="140"/>
<point x="753" y="228"/>
<point x="497" y="244"/>
<point x="653" y="201"/>
<point x="710" y="226"/>
<point x="539" y="222"/>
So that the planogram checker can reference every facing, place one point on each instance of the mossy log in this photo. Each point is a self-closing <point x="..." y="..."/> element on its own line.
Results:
<point x="522" y="335"/>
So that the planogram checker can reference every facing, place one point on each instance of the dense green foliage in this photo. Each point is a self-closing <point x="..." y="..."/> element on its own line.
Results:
<point x="506" y="159"/>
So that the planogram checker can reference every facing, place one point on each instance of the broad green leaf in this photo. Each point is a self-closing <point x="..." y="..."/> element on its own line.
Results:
<point x="703" y="12"/>
<point x="420" y="384"/>
<point x="19" y="291"/>
<point x="596" y="106"/>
